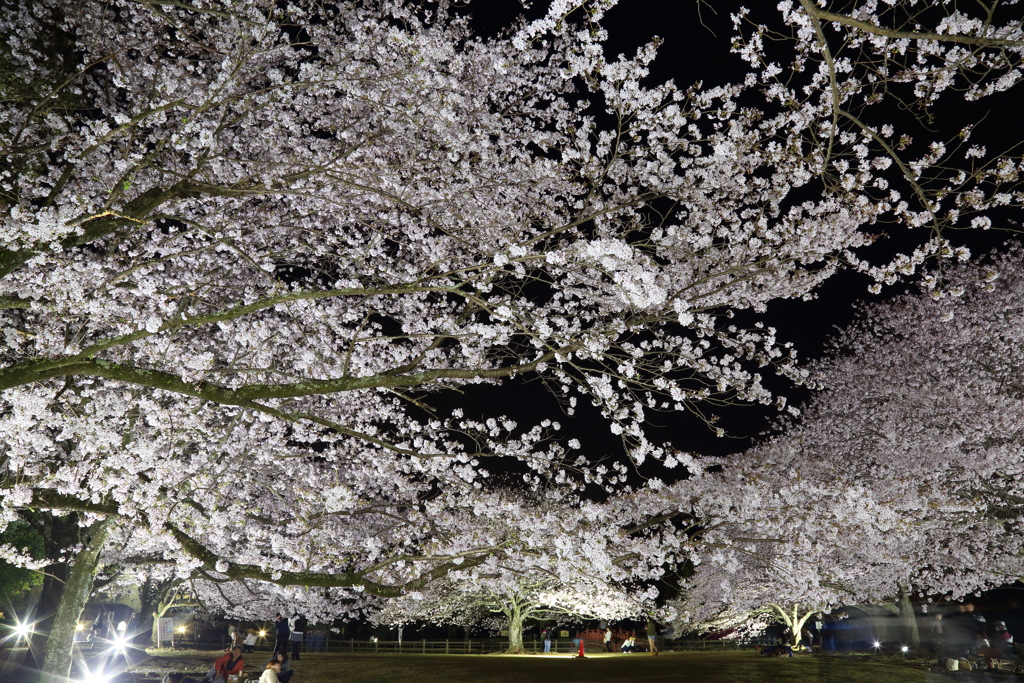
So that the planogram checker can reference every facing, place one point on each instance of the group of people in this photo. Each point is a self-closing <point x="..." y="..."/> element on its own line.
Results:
<point x="247" y="639"/>
<point x="628" y="643"/>
<point x="105" y="628"/>
<point x="289" y="633"/>
<point x="965" y="634"/>
<point x="278" y="669"/>
<point x="828" y="633"/>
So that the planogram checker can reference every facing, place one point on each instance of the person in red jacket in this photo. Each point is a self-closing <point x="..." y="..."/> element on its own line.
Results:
<point x="230" y="664"/>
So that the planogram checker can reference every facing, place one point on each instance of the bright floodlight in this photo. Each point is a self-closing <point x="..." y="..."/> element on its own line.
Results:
<point x="120" y="642"/>
<point x="23" y="630"/>
<point x="95" y="676"/>
<point x="181" y="629"/>
<point x="79" y="627"/>
<point x="878" y="644"/>
<point x="263" y="634"/>
<point x="905" y="649"/>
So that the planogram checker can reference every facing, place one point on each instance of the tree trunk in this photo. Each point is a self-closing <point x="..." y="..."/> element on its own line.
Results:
<point x="60" y="643"/>
<point x="515" y="630"/>
<point x="909" y="619"/>
<point x="59" y="532"/>
<point x="794" y="621"/>
<point x="799" y="628"/>
<point x="156" y="598"/>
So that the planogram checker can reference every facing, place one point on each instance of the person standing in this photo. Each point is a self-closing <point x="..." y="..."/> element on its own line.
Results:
<point x="298" y="627"/>
<point x="608" y="639"/>
<point x="317" y="640"/>
<point x="282" y="634"/>
<point x="961" y="629"/>
<point x="828" y="634"/>
<point x="547" y="639"/>
<point x="652" y="634"/>
<point x="249" y="644"/>
<point x="938" y="639"/>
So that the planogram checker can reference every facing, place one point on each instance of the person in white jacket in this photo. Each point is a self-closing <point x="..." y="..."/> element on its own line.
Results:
<point x="271" y="672"/>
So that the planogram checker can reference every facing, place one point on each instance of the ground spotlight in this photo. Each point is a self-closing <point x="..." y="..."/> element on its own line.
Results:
<point x="95" y="677"/>
<point x="877" y="644"/>
<point x="904" y="649"/>
<point x="23" y="631"/>
<point x="263" y="634"/>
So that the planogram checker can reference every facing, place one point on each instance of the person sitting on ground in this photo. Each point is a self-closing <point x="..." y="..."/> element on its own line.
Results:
<point x="629" y="645"/>
<point x="1000" y="648"/>
<point x="271" y="672"/>
<point x="286" y="671"/>
<point x="249" y="644"/>
<point x="778" y="650"/>
<point x="230" y="664"/>
<point x="1002" y="639"/>
<point x="980" y="643"/>
<point x="808" y="638"/>
<point x="178" y="678"/>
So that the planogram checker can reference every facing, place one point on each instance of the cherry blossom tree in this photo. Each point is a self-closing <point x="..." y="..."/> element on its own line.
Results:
<point x="902" y="476"/>
<point x="508" y="600"/>
<point x="249" y="249"/>
<point x="747" y="607"/>
<point x="576" y="560"/>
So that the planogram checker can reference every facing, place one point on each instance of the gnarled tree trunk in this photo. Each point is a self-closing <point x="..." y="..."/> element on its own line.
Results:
<point x="56" y="666"/>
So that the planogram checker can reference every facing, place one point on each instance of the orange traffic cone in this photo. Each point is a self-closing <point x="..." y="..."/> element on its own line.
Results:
<point x="581" y="655"/>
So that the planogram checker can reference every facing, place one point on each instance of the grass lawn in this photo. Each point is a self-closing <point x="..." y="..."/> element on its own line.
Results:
<point x="714" y="667"/>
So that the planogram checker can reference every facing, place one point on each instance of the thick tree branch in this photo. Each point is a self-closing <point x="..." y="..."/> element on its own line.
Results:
<point x="976" y="41"/>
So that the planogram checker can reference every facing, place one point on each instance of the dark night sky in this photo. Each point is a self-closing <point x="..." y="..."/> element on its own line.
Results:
<point x="696" y="48"/>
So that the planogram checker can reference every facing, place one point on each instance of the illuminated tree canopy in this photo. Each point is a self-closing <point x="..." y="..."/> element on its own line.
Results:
<point x="251" y="254"/>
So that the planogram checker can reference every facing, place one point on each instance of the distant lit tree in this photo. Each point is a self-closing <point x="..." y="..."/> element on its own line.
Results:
<point x="903" y="475"/>
<point x="508" y="600"/>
